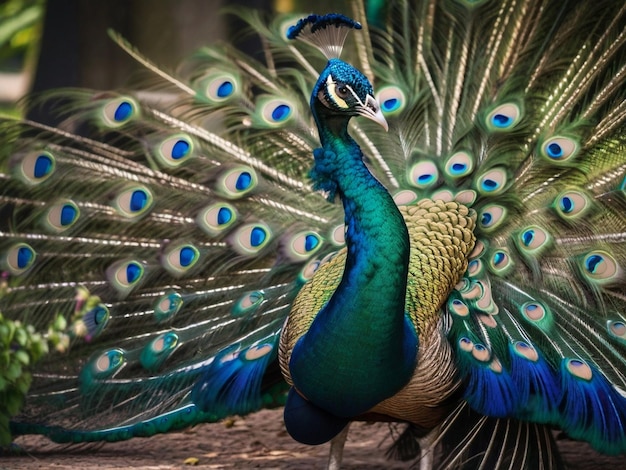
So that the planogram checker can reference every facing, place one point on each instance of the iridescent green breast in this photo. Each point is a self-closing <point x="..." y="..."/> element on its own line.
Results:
<point x="441" y="237"/>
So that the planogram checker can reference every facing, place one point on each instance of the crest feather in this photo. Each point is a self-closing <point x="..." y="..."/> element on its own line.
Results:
<point x="326" y="32"/>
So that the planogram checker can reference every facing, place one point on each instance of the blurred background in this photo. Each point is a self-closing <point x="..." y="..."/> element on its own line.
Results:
<point x="48" y="44"/>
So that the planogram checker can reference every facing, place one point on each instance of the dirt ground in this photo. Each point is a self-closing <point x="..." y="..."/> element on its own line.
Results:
<point x="256" y="441"/>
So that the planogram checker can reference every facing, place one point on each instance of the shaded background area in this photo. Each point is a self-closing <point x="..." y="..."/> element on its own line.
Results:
<point x="76" y="50"/>
<point x="68" y="44"/>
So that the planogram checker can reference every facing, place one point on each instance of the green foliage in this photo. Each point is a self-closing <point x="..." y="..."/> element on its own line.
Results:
<point x="19" y="20"/>
<point x="20" y="347"/>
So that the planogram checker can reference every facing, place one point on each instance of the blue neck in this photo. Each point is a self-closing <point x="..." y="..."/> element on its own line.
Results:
<point x="376" y="235"/>
<point x="361" y="347"/>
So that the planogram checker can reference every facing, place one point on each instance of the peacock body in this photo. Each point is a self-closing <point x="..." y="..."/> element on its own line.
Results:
<point x="177" y="249"/>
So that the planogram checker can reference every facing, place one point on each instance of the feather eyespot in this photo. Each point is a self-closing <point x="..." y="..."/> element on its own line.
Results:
<point x="600" y="266"/>
<point x="491" y="216"/>
<point x="479" y="249"/>
<point x="19" y="258"/>
<point x="617" y="329"/>
<point x="216" y="218"/>
<point x="579" y="368"/>
<point x="466" y="344"/>
<point x="175" y="150"/>
<point x="481" y="353"/>
<point x="539" y="315"/>
<point x="534" y="311"/>
<point x="106" y="363"/>
<point x="392" y="100"/>
<point x="220" y="87"/>
<point x="119" y="111"/>
<point x="303" y="245"/>
<point x="338" y="235"/>
<point x="133" y="202"/>
<point x="496" y="366"/>
<point x="35" y="167"/>
<point x="258" y="351"/>
<point x="251" y="239"/>
<point x="248" y="303"/>
<point x="308" y="271"/>
<point x="459" y="164"/>
<point x="525" y="350"/>
<point x="492" y="182"/>
<point x="504" y="117"/>
<point x="458" y="307"/>
<point x="125" y="275"/>
<point x="500" y="262"/>
<point x="167" y="306"/>
<point x="96" y="319"/>
<point x="424" y="174"/>
<point x="178" y="259"/>
<point x="559" y="149"/>
<point x="533" y="239"/>
<point x="275" y="112"/>
<point x="164" y="342"/>
<point x="404" y="197"/>
<point x="443" y="195"/>
<point x="471" y="290"/>
<point x="474" y="268"/>
<point x="466" y="197"/>
<point x="485" y="300"/>
<point x="158" y="350"/>
<point x="237" y="182"/>
<point x="61" y="216"/>
<point x="571" y="204"/>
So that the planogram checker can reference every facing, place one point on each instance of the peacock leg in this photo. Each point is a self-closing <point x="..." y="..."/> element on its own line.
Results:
<point x="427" y="448"/>
<point x="336" y="449"/>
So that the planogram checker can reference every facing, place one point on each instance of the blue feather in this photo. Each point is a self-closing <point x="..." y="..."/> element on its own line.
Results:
<point x="538" y="390"/>
<point x="592" y="408"/>
<point x="232" y="383"/>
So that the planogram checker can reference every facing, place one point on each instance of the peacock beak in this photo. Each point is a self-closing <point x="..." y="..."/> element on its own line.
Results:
<point x="371" y="110"/>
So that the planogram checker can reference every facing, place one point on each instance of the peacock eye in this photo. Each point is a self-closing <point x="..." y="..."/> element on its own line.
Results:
<point x="342" y="91"/>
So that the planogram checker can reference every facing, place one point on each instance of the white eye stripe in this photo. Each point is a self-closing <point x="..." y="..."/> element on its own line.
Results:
<point x="331" y="86"/>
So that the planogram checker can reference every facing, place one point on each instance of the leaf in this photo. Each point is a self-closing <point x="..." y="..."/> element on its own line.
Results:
<point x="13" y="371"/>
<point x="23" y="19"/>
<point x="38" y="348"/>
<point x="60" y="323"/>
<point x="13" y="401"/>
<point x="4" y="333"/>
<point x="23" y="384"/>
<point x="5" y="358"/>
<point x="20" y="336"/>
<point x="22" y="357"/>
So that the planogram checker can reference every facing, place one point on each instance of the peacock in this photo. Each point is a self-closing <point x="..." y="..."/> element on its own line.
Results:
<point x="416" y="215"/>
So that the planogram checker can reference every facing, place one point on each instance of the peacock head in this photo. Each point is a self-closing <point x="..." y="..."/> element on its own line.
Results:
<point x="342" y="90"/>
